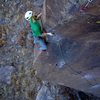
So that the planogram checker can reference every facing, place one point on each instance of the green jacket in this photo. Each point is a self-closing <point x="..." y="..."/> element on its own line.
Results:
<point x="36" y="28"/>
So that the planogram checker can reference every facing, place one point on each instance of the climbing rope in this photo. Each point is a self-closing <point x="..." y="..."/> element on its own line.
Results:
<point x="73" y="70"/>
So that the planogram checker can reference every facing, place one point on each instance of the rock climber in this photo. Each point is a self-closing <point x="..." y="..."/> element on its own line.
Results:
<point x="37" y="31"/>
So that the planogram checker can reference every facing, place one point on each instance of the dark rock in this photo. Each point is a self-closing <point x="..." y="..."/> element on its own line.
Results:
<point x="52" y="92"/>
<point x="38" y="3"/>
<point x="76" y="53"/>
<point x="72" y="58"/>
<point x="5" y="74"/>
<point x="4" y="21"/>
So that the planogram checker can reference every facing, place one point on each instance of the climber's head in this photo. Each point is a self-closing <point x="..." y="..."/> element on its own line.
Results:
<point x="28" y="15"/>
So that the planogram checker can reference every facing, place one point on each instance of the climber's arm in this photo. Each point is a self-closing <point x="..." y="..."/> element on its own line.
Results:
<point x="39" y="15"/>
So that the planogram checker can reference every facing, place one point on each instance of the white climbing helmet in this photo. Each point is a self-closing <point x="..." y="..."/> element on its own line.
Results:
<point x="28" y="15"/>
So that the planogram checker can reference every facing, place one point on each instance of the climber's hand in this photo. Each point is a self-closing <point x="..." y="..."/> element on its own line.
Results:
<point x="51" y="34"/>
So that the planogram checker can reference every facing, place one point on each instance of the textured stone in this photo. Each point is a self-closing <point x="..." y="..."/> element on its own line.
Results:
<point x="38" y="2"/>
<point x="5" y="74"/>
<point x="53" y="92"/>
<point x="25" y="81"/>
<point x="74" y="59"/>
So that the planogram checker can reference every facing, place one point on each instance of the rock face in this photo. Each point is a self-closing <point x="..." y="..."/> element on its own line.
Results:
<point x="57" y="12"/>
<point x="20" y="66"/>
<point x="58" y="92"/>
<point x="5" y="74"/>
<point x="73" y="56"/>
<point x="16" y="51"/>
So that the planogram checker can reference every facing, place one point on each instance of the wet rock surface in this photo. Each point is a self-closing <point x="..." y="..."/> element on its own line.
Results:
<point x="19" y="78"/>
